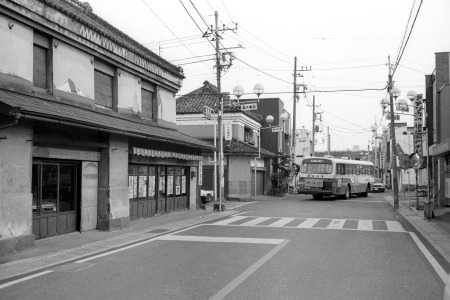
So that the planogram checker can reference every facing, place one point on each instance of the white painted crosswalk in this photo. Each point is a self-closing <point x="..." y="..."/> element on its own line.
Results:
<point x="312" y="223"/>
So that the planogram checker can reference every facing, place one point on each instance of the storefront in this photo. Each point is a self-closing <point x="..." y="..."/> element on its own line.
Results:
<point x="158" y="181"/>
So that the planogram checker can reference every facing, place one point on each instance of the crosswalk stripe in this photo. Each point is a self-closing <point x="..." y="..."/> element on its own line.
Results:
<point x="394" y="226"/>
<point x="281" y="222"/>
<point x="230" y="220"/>
<point x="336" y="224"/>
<point x="365" y="225"/>
<point x="255" y="221"/>
<point x="308" y="223"/>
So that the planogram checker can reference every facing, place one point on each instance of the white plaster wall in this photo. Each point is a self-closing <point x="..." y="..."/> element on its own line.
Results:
<point x="15" y="182"/>
<point x="70" y="63"/>
<point x="166" y="105"/>
<point x="89" y="195"/>
<point x="129" y="92"/>
<point x="16" y="49"/>
<point x="118" y="177"/>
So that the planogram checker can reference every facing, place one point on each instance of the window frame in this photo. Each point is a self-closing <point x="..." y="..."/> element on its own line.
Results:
<point x="43" y="41"/>
<point x="150" y="88"/>
<point x="105" y="69"/>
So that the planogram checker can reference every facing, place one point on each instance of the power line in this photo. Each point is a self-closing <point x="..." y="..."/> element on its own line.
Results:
<point x="167" y="27"/>
<point x="409" y="35"/>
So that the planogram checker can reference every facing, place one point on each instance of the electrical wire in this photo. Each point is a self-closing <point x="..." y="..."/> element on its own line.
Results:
<point x="409" y="35"/>
<point x="168" y="28"/>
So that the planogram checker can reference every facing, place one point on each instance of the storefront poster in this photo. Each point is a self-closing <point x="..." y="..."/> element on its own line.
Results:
<point x="132" y="187"/>
<point x="183" y="185"/>
<point x="151" y="187"/>
<point x="142" y="186"/>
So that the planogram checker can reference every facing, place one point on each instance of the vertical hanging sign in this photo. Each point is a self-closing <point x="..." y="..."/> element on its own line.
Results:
<point x="418" y="124"/>
<point x="200" y="172"/>
<point x="228" y="131"/>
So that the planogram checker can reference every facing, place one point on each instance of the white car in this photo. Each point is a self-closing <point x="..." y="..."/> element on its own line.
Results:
<point x="378" y="186"/>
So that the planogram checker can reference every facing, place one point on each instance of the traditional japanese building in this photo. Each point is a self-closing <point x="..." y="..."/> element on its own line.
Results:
<point x="88" y="136"/>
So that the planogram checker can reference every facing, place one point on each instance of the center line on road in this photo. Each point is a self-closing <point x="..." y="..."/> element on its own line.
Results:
<point x="243" y="276"/>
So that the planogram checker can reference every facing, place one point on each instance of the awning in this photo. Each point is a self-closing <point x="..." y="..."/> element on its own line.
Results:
<point x="50" y="110"/>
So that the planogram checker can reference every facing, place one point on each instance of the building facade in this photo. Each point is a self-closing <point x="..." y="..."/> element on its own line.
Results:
<point x="247" y="166"/>
<point x="88" y="133"/>
<point x="439" y="141"/>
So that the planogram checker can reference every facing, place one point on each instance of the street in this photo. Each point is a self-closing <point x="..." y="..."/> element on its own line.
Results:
<point x="282" y="248"/>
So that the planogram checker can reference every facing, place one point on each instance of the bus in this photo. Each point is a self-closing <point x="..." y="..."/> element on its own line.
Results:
<point x="328" y="176"/>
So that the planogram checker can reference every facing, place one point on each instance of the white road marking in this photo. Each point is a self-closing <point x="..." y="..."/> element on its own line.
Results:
<point x="230" y="220"/>
<point x="255" y="221"/>
<point x="336" y="224"/>
<point x="247" y="273"/>
<point x="308" y="223"/>
<point x="281" y="222"/>
<point x="437" y="267"/>
<point x="362" y="225"/>
<point x="210" y="239"/>
<point x="5" y="285"/>
<point x="369" y="201"/>
<point x="394" y="226"/>
<point x="365" y="225"/>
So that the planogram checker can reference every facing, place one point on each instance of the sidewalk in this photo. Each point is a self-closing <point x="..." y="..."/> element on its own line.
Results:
<point x="436" y="231"/>
<point x="53" y="251"/>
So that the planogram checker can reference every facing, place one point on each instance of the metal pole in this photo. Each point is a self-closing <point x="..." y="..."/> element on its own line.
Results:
<point x="295" y="105"/>
<point x="313" y="125"/>
<point x="215" y="162"/>
<point x="219" y="118"/>
<point x="393" y="141"/>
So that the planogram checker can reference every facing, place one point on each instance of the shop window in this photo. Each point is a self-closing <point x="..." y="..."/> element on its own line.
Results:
<point x="148" y="101"/>
<point x="103" y="84"/>
<point x="41" y="61"/>
<point x="183" y="181"/>
<point x="54" y="188"/>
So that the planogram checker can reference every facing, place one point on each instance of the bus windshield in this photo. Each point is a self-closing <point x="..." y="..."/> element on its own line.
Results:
<point x="316" y="168"/>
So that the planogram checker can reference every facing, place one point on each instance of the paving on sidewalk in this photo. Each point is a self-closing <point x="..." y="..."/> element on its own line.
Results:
<point x="54" y="251"/>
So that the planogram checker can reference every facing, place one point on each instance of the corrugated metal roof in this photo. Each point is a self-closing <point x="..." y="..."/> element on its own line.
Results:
<point x="52" y="110"/>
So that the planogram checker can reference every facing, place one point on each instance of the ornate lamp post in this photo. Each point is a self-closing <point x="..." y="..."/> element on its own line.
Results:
<point x="258" y="89"/>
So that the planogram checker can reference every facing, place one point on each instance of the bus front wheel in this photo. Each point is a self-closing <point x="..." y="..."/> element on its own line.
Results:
<point x="347" y="193"/>
<point x="318" y="196"/>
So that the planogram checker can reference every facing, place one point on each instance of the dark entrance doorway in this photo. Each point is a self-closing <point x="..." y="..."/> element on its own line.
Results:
<point x="55" y="188"/>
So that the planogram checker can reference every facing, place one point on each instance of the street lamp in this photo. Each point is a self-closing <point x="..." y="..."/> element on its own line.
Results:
<point x="258" y="89"/>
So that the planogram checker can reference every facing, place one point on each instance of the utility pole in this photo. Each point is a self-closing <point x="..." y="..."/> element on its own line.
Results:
<point x="313" y="125"/>
<point x="295" y="105"/>
<point x="393" y="141"/>
<point x="219" y="118"/>
<point x="328" y="138"/>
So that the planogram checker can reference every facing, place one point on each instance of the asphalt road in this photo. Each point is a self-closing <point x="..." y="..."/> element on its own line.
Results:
<point x="283" y="248"/>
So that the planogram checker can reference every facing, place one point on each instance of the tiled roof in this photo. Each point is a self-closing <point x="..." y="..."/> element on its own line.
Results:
<point x="57" y="111"/>
<point x="193" y="102"/>
<point x="82" y="12"/>
<point x="241" y="148"/>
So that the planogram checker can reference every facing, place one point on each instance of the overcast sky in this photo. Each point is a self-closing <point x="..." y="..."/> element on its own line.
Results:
<point x="346" y="44"/>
